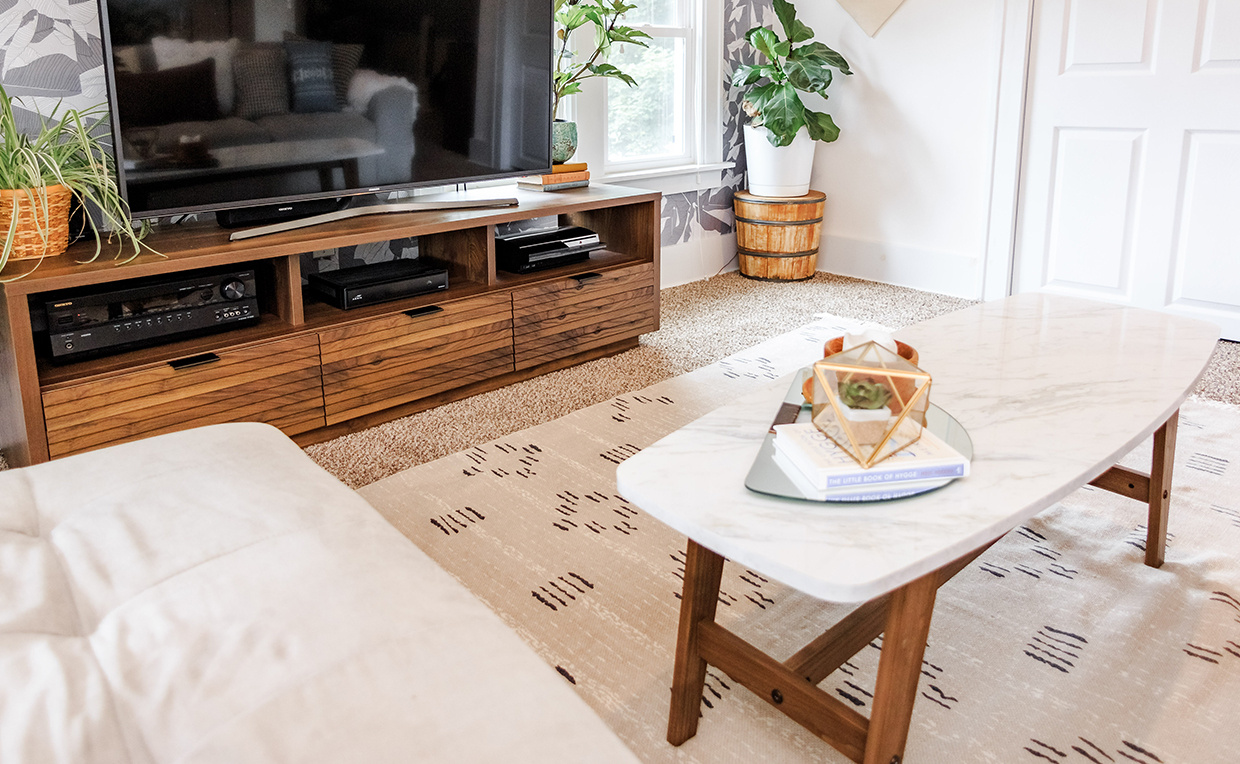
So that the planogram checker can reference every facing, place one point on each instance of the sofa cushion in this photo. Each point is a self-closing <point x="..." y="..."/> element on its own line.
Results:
<point x="310" y="76"/>
<point x="172" y="52"/>
<point x="215" y="596"/>
<point x="180" y="94"/>
<point x="262" y="82"/>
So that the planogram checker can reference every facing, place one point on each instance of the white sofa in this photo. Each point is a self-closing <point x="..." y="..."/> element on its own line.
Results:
<point x="214" y="596"/>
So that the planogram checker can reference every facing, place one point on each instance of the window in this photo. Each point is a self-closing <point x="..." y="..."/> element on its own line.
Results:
<point x="671" y="124"/>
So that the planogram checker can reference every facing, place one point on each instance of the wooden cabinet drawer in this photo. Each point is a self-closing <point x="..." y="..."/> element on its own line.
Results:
<point x="567" y="316"/>
<point x="277" y="382"/>
<point x="392" y="360"/>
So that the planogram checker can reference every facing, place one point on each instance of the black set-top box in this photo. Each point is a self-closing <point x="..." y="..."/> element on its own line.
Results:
<point x="378" y="282"/>
<point x="534" y="251"/>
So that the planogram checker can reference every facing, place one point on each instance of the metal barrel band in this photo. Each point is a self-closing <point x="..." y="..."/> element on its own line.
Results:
<point x="813" y="221"/>
<point x="754" y="253"/>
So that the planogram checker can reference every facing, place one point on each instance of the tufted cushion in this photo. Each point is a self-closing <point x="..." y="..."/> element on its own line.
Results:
<point x="213" y="596"/>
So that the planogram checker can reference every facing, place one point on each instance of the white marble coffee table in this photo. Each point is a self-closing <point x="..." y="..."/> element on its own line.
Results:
<point x="1052" y="390"/>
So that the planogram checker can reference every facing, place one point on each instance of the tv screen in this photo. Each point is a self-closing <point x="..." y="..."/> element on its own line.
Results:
<point x="222" y="104"/>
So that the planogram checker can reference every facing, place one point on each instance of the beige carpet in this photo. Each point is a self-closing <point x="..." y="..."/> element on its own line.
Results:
<point x="701" y="323"/>
<point x="1057" y="645"/>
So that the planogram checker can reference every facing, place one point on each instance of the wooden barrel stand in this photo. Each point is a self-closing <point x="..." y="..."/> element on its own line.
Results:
<point x="777" y="237"/>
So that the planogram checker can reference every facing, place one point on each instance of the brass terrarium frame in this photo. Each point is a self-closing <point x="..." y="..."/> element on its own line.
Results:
<point x="872" y="360"/>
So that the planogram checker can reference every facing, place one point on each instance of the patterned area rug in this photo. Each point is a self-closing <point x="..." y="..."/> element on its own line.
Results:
<point x="1056" y="645"/>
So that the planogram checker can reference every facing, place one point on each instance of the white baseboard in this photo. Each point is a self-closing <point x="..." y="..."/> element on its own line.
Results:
<point x="708" y="254"/>
<point x="703" y="256"/>
<point x="930" y="271"/>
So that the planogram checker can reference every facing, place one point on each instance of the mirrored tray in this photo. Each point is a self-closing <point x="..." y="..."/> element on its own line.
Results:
<point x="768" y="477"/>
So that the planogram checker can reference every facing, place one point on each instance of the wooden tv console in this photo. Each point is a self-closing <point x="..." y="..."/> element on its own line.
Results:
<point x="313" y="370"/>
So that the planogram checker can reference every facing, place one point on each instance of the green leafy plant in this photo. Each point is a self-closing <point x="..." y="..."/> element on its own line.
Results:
<point x="864" y="394"/>
<point x="70" y="151"/>
<point x="774" y="100"/>
<point x="605" y="15"/>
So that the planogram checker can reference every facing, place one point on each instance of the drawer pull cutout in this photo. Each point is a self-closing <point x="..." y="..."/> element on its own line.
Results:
<point x="194" y="360"/>
<point x="585" y="278"/>
<point x="429" y="310"/>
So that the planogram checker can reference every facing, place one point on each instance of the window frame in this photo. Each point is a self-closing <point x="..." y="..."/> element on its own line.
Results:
<point x="701" y="166"/>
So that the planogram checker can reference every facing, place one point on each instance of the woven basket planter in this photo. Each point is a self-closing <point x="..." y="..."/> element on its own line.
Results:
<point x="36" y="236"/>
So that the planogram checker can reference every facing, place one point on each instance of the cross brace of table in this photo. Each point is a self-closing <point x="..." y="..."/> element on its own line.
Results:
<point x="901" y="616"/>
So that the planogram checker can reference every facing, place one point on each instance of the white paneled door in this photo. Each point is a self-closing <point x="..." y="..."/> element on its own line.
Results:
<point x="1130" y="182"/>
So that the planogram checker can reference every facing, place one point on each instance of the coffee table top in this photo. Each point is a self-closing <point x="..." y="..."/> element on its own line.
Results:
<point x="1052" y="390"/>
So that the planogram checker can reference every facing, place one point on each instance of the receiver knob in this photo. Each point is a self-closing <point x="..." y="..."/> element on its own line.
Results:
<point x="233" y="290"/>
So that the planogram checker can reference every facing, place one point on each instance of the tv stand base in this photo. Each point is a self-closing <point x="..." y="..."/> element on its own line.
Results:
<point x="377" y="209"/>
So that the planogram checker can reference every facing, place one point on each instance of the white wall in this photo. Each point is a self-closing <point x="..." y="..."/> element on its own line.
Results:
<point x="908" y="181"/>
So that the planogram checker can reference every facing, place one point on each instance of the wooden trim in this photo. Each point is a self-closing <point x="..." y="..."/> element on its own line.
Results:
<point x="829" y="719"/>
<point x="22" y="435"/>
<point x="289" y="305"/>
<point x="1160" y="491"/>
<point x="1007" y="148"/>
<point x="1126" y="482"/>
<point x="817" y="660"/>
<point x="700" y="598"/>
<point x="899" y="668"/>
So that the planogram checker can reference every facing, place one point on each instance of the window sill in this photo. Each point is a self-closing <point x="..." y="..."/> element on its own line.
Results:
<point x="672" y="180"/>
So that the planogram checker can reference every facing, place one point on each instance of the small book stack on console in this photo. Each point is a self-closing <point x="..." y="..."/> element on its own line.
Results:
<point x="824" y="471"/>
<point x="561" y="177"/>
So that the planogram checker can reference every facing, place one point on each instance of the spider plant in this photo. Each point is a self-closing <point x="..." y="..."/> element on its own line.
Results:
<point x="69" y="150"/>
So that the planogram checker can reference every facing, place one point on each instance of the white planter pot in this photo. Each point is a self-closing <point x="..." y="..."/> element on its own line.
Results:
<point x="778" y="170"/>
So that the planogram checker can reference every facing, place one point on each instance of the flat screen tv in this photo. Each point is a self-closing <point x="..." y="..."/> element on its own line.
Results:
<point x="228" y="104"/>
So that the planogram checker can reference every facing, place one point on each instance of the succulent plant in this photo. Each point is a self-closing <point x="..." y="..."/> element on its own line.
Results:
<point x="864" y="394"/>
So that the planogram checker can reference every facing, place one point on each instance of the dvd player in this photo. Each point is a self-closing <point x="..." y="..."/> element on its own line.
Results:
<point x="378" y="282"/>
<point x="537" y="250"/>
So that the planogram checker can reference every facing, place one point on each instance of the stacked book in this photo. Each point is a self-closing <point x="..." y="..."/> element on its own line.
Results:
<point x="823" y="471"/>
<point x="562" y="176"/>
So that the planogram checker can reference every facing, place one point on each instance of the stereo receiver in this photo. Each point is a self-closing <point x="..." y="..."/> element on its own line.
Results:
<point x="146" y="312"/>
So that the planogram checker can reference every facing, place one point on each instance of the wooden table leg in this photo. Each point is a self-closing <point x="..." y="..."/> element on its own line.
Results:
<point x="703" y="572"/>
<point x="899" y="668"/>
<point x="1160" y="491"/>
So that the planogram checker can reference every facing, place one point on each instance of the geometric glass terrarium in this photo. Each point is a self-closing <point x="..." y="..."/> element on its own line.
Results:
<point x="870" y="401"/>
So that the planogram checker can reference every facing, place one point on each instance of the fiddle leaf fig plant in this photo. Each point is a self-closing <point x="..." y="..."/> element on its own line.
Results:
<point x="605" y="15"/>
<point x="773" y="100"/>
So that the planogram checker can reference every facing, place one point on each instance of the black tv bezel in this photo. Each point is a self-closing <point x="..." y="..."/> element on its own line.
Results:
<point x="118" y="157"/>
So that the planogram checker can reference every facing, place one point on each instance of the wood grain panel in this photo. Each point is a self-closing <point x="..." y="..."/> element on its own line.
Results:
<point x="482" y="368"/>
<point x="573" y="288"/>
<point x="400" y="368"/>
<point x="86" y="421"/>
<point x="393" y="360"/>
<point x="624" y="305"/>
<point x="344" y="346"/>
<point x="275" y="382"/>
<point x="558" y="319"/>
<point x="289" y="399"/>
<point x="21" y="417"/>
<point x="541" y="347"/>
<point x="460" y="371"/>
<point x="125" y="385"/>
